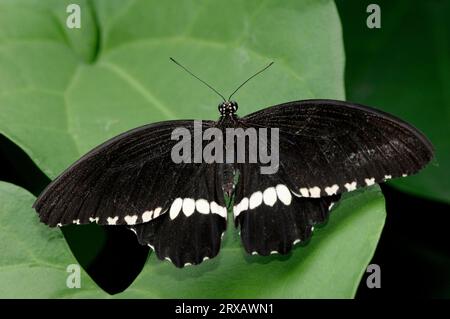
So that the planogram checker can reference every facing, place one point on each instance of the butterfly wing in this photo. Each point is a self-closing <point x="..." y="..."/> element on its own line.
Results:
<point x="271" y="218"/>
<point x="328" y="147"/>
<point x="325" y="148"/>
<point x="191" y="231"/>
<point x="130" y="179"/>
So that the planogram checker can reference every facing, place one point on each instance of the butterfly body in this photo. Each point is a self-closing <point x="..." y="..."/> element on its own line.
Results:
<point x="178" y="208"/>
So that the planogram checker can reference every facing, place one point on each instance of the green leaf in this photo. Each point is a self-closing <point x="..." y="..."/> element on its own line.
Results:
<point x="64" y="91"/>
<point x="56" y="107"/>
<point x="404" y="68"/>
<point x="33" y="259"/>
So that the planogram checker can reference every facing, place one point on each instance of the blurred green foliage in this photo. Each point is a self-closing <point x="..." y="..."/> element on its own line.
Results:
<point x="404" y="68"/>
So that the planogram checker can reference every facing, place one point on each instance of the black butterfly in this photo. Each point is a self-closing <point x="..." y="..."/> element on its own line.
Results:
<point x="326" y="147"/>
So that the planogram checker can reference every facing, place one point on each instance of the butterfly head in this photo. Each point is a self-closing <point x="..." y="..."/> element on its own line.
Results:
<point x="228" y="108"/>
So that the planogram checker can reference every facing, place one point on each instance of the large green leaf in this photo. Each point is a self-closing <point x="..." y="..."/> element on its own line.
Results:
<point x="64" y="91"/>
<point x="404" y="68"/>
<point x="57" y="106"/>
<point x="34" y="258"/>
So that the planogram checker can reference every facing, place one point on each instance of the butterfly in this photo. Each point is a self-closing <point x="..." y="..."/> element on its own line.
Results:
<point x="179" y="209"/>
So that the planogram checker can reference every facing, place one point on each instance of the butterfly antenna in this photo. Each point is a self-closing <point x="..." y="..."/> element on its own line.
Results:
<point x="188" y="71"/>
<point x="260" y="71"/>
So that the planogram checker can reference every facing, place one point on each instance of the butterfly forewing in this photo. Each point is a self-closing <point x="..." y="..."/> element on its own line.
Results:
<point x="328" y="147"/>
<point x="128" y="180"/>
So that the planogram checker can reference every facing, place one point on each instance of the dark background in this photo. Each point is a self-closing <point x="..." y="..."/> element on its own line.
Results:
<point x="413" y="253"/>
<point x="398" y="67"/>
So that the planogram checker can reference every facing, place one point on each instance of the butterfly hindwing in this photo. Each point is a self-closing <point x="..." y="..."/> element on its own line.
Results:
<point x="191" y="230"/>
<point x="271" y="218"/>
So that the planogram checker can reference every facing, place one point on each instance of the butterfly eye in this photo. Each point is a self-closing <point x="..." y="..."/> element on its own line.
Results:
<point x="234" y="105"/>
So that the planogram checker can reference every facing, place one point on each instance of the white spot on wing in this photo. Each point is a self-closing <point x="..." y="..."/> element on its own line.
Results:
<point x="315" y="191"/>
<point x="112" y="220"/>
<point x="386" y="177"/>
<point x="76" y="221"/>
<point x="59" y="225"/>
<point x="188" y="206"/>
<point x="274" y="252"/>
<point x="284" y="194"/>
<point x="254" y="253"/>
<point x="175" y="208"/>
<point x="304" y="192"/>
<point x="255" y="199"/>
<point x="94" y="220"/>
<point x="350" y="186"/>
<point x="131" y="220"/>
<point x="270" y="196"/>
<point x="156" y="212"/>
<point x="332" y="190"/>
<point x="147" y="216"/>
<point x="217" y="209"/>
<point x="404" y="175"/>
<point x="242" y="206"/>
<point x="205" y="258"/>
<point x="214" y="207"/>
<point x="202" y="206"/>
<point x="370" y="181"/>
<point x="296" y="242"/>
